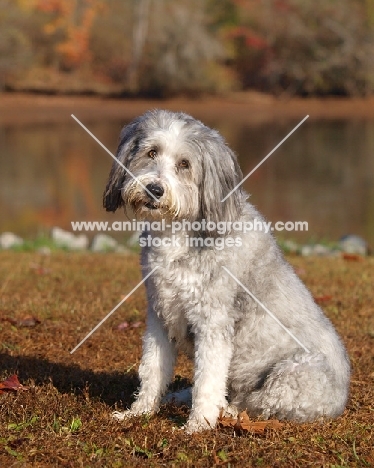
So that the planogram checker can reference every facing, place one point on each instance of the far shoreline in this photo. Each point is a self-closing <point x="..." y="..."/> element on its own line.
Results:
<point x="251" y="107"/>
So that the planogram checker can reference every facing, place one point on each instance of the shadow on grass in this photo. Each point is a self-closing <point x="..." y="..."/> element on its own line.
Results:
<point x="108" y="387"/>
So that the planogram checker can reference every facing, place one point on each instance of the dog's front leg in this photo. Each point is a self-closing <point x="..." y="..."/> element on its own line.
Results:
<point x="155" y="371"/>
<point x="213" y="350"/>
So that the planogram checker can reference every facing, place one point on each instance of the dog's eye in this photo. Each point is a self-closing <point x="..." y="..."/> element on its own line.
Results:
<point x="184" y="164"/>
<point x="152" y="154"/>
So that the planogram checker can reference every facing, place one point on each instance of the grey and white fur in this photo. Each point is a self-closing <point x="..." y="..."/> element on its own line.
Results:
<point x="242" y="358"/>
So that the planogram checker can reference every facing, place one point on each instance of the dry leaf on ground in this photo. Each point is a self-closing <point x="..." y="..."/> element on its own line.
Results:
<point x="11" y="384"/>
<point x="322" y="299"/>
<point x="243" y="423"/>
<point x="124" y="325"/>
<point x="352" y="257"/>
<point x="26" y="321"/>
<point x="121" y="326"/>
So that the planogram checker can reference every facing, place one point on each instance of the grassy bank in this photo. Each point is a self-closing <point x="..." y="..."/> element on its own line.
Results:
<point x="63" y="419"/>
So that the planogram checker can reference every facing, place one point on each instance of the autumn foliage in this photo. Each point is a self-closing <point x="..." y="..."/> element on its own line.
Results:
<point x="75" y="25"/>
<point x="188" y="46"/>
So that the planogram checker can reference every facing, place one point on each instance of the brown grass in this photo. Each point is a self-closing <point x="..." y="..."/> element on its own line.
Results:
<point x="63" y="419"/>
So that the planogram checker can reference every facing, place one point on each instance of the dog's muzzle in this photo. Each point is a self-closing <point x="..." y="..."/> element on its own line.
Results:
<point x="157" y="191"/>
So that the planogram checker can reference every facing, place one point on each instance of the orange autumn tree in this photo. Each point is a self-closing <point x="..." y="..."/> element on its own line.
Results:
<point x="73" y="19"/>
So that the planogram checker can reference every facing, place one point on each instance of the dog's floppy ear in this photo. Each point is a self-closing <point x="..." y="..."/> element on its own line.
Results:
<point x="127" y="147"/>
<point x="221" y="173"/>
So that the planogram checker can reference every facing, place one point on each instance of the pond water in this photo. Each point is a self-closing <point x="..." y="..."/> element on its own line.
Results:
<point x="53" y="174"/>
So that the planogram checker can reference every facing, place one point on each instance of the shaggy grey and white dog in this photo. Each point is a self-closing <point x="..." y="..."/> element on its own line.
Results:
<point x="243" y="358"/>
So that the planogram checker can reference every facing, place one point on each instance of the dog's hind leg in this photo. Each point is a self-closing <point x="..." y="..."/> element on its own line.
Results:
<point x="155" y="371"/>
<point x="301" y="388"/>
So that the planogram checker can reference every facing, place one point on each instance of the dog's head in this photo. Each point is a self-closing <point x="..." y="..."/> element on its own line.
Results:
<point x="173" y="166"/>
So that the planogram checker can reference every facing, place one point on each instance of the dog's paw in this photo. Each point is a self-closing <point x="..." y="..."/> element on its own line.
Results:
<point x="199" y="424"/>
<point x="137" y="409"/>
<point x="122" y="415"/>
<point x="229" y="411"/>
<point x="194" y="425"/>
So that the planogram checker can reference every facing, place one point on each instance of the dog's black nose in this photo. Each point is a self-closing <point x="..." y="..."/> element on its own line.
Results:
<point x="155" y="190"/>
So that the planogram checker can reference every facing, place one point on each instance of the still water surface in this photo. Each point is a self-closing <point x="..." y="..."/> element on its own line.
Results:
<point x="53" y="174"/>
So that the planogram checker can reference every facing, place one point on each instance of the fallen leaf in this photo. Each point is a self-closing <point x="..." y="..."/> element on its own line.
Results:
<point x="11" y="384"/>
<point x="122" y="326"/>
<point x="243" y="423"/>
<point x="136" y="324"/>
<point x="352" y="257"/>
<point x="323" y="299"/>
<point x="27" y="321"/>
<point x="8" y="319"/>
<point x="227" y="421"/>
